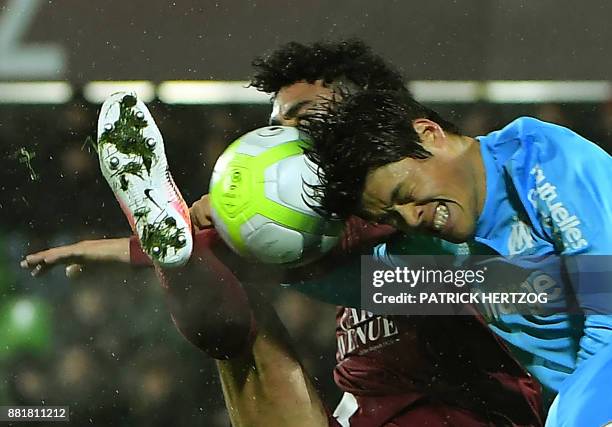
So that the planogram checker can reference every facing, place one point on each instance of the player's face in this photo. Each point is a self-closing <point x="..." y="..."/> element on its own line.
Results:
<point x="295" y="100"/>
<point x="441" y="195"/>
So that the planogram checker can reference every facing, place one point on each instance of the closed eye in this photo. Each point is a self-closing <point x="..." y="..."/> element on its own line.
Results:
<point x="401" y="196"/>
<point x="392" y="218"/>
<point x="296" y="109"/>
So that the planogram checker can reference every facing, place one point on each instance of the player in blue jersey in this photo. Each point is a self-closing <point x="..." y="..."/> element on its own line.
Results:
<point x="530" y="191"/>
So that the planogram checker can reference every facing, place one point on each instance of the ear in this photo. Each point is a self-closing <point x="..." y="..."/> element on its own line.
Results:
<point x="429" y="132"/>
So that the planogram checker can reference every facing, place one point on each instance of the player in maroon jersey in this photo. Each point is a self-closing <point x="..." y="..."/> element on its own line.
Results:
<point x="394" y="370"/>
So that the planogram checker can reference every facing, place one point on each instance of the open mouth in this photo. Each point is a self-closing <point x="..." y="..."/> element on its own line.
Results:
<point x="440" y="217"/>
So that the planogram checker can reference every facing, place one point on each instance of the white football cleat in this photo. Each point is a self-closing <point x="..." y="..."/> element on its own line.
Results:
<point x="133" y="161"/>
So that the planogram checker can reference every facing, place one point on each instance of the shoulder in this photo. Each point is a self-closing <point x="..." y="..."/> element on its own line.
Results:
<point x="527" y="128"/>
<point x="534" y="140"/>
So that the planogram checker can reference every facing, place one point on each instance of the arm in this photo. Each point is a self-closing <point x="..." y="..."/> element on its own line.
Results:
<point x="125" y="250"/>
<point x="331" y="279"/>
<point x="221" y="333"/>
<point x="84" y="252"/>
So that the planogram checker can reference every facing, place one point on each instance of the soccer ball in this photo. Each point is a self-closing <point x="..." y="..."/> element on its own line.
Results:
<point x="260" y="199"/>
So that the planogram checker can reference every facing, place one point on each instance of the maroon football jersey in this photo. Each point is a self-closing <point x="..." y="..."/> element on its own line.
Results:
<point x="454" y="361"/>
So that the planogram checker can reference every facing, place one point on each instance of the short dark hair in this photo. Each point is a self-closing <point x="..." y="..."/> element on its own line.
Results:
<point x="358" y="134"/>
<point x="350" y="60"/>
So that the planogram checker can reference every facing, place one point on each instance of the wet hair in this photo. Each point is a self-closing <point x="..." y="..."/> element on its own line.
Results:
<point x="358" y="134"/>
<point x="350" y="61"/>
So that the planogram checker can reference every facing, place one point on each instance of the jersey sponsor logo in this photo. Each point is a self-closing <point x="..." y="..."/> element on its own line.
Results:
<point x="550" y="295"/>
<point x="360" y="331"/>
<point x="565" y="225"/>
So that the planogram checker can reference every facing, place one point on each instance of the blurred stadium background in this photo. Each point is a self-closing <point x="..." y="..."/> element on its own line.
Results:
<point x="104" y="344"/>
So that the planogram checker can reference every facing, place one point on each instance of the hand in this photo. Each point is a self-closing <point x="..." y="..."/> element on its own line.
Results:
<point x="77" y="254"/>
<point x="200" y="213"/>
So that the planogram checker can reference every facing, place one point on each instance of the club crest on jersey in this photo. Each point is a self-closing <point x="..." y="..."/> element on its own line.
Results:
<point x="520" y="238"/>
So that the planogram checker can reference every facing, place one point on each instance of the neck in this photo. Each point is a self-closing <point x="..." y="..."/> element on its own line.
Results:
<point x="478" y="168"/>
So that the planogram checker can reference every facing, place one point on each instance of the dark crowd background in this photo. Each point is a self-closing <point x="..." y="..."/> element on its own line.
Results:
<point x="104" y="344"/>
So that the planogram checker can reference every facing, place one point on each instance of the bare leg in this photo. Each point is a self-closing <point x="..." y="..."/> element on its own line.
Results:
<point x="263" y="382"/>
<point x="268" y="386"/>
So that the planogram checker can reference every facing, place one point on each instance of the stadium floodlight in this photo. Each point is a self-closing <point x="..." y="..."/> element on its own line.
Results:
<point x="210" y="92"/>
<point x="35" y="92"/>
<point x="446" y="90"/>
<point x="97" y="91"/>
<point x="537" y="92"/>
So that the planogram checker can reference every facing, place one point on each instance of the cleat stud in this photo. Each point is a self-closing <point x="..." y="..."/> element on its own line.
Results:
<point x="151" y="142"/>
<point x="181" y="239"/>
<point x="156" y="250"/>
<point x="129" y="100"/>
<point x="139" y="115"/>
<point x="109" y="127"/>
<point x="114" y="162"/>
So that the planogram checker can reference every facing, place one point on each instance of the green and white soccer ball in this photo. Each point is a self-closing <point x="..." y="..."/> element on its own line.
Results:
<point x="260" y="203"/>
